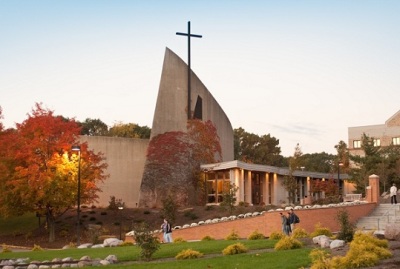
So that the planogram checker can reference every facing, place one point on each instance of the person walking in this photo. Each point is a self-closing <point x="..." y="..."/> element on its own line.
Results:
<point x="293" y="219"/>
<point x="166" y="227"/>
<point x="393" y="194"/>
<point x="285" y="224"/>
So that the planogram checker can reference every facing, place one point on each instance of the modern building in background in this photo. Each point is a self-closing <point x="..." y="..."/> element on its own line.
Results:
<point x="383" y="134"/>
<point x="257" y="184"/>
<point x="263" y="185"/>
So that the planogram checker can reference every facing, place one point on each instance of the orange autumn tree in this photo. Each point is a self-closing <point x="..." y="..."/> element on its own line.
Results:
<point x="173" y="164"/>
<point x="39" y="171"/>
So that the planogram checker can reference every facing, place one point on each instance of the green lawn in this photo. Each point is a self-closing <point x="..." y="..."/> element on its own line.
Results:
<point x="164" y="257"/>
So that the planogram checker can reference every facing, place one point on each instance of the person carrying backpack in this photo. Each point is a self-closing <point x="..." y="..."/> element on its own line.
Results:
<point x="293" y="220"/>
<point x="166" y="227"/>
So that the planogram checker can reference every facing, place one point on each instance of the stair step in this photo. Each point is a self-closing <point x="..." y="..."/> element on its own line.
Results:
<point x="380" y="217"/>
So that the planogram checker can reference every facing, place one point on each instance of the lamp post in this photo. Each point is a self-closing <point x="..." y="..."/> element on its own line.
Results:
<point x="120" y="223"/>
<point x="78" y="210"/>
<point x="338" y="175"/>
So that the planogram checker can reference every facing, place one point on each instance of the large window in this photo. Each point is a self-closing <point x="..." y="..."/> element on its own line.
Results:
<point x="377" y="142"/>
<point x="357" y="144"/>
<point x="217" y="184"/>
<point x="396" y="140"/>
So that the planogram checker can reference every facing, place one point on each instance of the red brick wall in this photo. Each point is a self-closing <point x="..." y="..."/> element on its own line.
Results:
<point x="270" y="222"/>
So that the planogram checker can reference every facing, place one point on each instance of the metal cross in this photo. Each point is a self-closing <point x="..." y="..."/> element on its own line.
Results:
<point x="189" y="35"/>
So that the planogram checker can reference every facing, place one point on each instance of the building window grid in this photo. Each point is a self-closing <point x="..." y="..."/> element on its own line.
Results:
<point x="217" y="183"/>
<point x="357" y="144"/>
<point x="396" y="141"/>
<point x="377" y="142"/>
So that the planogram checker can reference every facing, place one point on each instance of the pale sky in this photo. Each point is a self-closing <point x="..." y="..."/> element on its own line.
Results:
<point x="302" y="71"/>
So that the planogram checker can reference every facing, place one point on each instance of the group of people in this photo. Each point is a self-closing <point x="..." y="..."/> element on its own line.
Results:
<point x="288" y="222"/>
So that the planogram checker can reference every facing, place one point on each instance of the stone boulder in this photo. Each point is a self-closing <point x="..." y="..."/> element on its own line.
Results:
<point x="337" y="243"/>
<point x="322" y="240"/>
<point x="112" y="242"/>
<point x="392" y="232"/>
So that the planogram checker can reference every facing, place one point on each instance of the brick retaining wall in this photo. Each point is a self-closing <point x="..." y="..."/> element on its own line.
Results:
<point x="271" y="221"/>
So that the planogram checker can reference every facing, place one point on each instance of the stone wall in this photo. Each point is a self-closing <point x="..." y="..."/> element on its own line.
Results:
<point x="125" y="158"/>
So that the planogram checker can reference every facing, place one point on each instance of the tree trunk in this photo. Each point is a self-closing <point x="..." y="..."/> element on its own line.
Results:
<point x="51" y="224"/>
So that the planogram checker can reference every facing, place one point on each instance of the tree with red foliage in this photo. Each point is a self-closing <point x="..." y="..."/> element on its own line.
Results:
<point x="329" y="187"/>
<point x="173" y="164"/>
<point x="38" y="170"/>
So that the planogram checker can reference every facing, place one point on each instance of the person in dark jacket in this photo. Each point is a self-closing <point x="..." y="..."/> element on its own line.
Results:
<point x="292" y="219"/>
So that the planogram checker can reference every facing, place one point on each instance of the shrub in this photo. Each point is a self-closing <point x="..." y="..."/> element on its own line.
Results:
<point x="63" y="233"/>
<point x="5" y="248"/>
<point x="256" y="235"/>
<point x="71" y="245"/>
<point x="191" y="215"/>
<point x="188" y="254"/>
<point x="179" y="240"/>
<point x="115" y="203"/>
<point x="92" y="219"/>
<point x="276" y="235"/>
<point x="37" y="248"/>
<point x="207" y="238"/>
<point x="346" y="232"/>
<point x="234" y="249"/>
<point x="319" y="230"/>
<point x="147" y="241"/>
<point x="360" y="238"/>
<point x="28" y="235"/>
<point x="126" y="244"/>
<point x="232" y="236"/>
<point x="365" y="251"/>
<point x="288" y="242"/>
<point x="320" y="259"/>
<point x="209" y="207"/>
<point x="245" y="204"/>
<point x="299" y="233"/>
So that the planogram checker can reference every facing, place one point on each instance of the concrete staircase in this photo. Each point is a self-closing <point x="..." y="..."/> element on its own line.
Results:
<point x="380" y="217"/>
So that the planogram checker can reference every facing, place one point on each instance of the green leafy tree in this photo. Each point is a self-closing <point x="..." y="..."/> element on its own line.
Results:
<point x="251" y="148"/>
<point x="366" y="165"/>
<point x="389" y="166"/>
<point x="94" y="127"/>
<point x="38" y="171"/>
<point x="317" y="162"/>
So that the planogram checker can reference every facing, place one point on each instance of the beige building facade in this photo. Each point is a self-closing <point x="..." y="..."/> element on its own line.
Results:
<point x="383" y="134"/>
